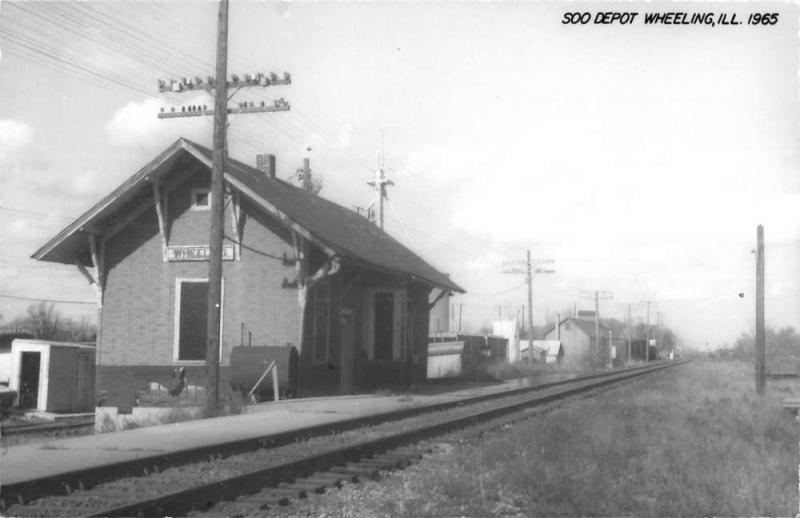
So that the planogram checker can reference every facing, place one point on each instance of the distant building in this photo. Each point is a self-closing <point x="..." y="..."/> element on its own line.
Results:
<point x="577" y="336"/>
<point x="439" y="321"/>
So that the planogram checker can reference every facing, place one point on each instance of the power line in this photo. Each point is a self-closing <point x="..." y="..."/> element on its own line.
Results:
<point x="17" y="297"/>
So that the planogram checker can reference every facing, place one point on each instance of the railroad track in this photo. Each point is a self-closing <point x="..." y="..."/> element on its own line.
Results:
<point x="48" y="427"/>
<point x="244" y="482"/>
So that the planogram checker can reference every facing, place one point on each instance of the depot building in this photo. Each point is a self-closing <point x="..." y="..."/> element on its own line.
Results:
<point x="299" y="272"/>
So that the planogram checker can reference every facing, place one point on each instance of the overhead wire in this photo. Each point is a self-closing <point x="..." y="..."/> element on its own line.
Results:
<point x="287" y="129"/>
<point x="43" y="299"/>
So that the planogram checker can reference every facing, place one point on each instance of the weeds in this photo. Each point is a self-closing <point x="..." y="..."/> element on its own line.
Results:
<point x="689" y="441"/>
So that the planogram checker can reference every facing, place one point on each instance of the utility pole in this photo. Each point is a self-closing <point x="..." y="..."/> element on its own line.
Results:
<point x="220" y="85"/>
<point x="598" y="295"/>
<point x="217" y="216"/>
<point x="647" y="340"/>
<point x="760" y="337"/>
<point x="380" y="183"/>
<point x="529" y="278"/>
<point x="526" y="267"/>
<point x="630" y="333"/>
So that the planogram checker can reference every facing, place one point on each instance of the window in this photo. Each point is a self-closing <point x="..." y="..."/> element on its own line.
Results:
<point x="191" y="318"/>
<point x="322" y="322"/>
<point x="201" y="199"/>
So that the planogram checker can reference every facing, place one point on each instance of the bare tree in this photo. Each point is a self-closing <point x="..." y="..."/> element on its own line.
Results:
<point x="43" y="320"/>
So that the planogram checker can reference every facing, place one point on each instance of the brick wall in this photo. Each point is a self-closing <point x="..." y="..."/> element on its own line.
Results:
<point x="139" y="313"/>
<point x="138" y="317"/>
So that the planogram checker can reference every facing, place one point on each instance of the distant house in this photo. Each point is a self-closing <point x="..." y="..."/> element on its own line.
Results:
<point x="553" y="350"/>
<point x="577" y="337"/>
<point x="544" y="351"/>
<point x="299" y="271"/>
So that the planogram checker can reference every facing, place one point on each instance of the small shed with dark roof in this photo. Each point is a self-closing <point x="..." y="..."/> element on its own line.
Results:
<point x="298" y="271"/>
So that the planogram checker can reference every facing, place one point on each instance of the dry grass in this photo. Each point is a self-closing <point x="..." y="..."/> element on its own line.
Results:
<point x="690" y="441"/>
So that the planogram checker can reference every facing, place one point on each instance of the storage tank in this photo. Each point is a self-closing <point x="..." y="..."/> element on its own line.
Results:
<point x="249" y="363"/>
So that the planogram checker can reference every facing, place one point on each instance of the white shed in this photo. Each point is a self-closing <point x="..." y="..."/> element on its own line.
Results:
<point x="445" y="359"/>
<point x="53" y="376"/>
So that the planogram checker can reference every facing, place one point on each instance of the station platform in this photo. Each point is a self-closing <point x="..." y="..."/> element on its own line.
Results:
<point x="28" y="462"/>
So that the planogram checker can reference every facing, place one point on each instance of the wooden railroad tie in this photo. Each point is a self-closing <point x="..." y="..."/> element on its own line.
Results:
<point x="362" y="472"/>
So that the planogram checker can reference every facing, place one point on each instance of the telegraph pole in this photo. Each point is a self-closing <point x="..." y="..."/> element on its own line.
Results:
<point x="220" y="85"/>
<point x="647" y="340"/>
<point x="217" y="216"/>
<point x="630" y="332"/>
<point x="527" y="267"/>
<point x="760" y="337"/>
<point x="529" y="278"/>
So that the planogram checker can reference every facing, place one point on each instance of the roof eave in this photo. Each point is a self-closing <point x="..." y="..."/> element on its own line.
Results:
<point x="80" y="224"/>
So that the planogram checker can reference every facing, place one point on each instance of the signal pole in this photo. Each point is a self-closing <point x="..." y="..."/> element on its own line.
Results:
<point x="380" y="183"/>
<point x="220" y="85"/>
<point x="760" y="337"/>
<point x="529" y="271"/>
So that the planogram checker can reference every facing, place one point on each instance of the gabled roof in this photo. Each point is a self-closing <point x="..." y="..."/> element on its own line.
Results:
<point x="549" y="347"/>
<point x="584" y="325"/>
<point x="335" y="228"/>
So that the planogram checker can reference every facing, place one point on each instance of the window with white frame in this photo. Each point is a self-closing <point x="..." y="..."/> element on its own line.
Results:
<point x="201" y="198"/>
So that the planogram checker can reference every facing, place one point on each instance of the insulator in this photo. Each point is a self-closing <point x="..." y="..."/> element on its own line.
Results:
<point x="161" y="84"/>
<point x="210" y="80"/>
<point x="162" y="109"/>
<point x="248" y="78"/>
<point x="251" y="104"/>
<point x="263" y="104"/>
<point x="198" y="80"/>
<point x="273" y="76"/>
<point x="173" y="109"/>
<point x="183" y="108"/>
<point x="184" y="81"/>
<point x="176" y="86"/>
<point x="235" y="78"/>
<point x="205" y="107"/>
<point x="287" y="77"/>
<point x="265" y="81"/>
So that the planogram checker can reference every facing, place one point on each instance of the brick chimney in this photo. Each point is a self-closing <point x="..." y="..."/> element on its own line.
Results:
<point x="266" y="163"/>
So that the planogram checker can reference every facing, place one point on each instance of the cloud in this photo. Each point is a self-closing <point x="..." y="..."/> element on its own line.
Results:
<point x="137" y="124"/>
<point x="14" y="135"/>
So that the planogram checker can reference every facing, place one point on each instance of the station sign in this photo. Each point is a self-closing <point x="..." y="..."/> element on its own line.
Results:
<point x="196" y="253"/>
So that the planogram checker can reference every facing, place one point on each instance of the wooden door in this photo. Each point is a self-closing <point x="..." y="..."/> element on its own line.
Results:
<point x="347" y="350"/>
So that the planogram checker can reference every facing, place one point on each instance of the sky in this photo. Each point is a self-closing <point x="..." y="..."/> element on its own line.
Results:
<point x="639" y="158"/>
